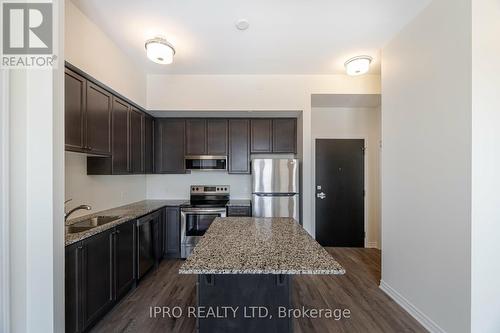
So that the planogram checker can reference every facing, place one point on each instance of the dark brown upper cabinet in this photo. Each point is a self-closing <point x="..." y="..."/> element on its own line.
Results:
<point x="148" y="144"/>
<point x="74" y="110"/>
<point x="120" y="154"/>
<point x="196" y="137"/>
<point x="261" y="135"/>
<point x="285" y="135"/>
<point x="239" y="146"/>
<point x="217" y="137"/>
<point x="136" y="143"/>
<point x="98" y="119"/>
<point x="169" y="145"/>
<point x="87" y="116"/>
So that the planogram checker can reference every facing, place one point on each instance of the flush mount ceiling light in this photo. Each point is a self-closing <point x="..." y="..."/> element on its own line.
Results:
<point x="242" y="24"/>
<point x="358" y="65"/>
<point x="160" y="51"/>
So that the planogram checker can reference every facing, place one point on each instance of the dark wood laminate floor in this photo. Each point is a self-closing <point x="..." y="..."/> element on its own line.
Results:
<point x="371" y="309"/>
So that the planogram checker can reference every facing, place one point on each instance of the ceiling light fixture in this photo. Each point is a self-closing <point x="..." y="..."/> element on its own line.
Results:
<point x="358" y="65"/>
<point x="242" y="24"/>
<point x="160" y="51"/>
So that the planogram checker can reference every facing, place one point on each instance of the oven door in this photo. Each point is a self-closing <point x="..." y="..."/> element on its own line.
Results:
<point x="194" y="223"/>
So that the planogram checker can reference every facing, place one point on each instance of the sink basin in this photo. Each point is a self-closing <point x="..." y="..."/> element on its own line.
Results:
<point x="90" y="223"/>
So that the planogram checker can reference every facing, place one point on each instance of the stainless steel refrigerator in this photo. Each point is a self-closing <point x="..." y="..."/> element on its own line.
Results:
<point x="275" y="188"/>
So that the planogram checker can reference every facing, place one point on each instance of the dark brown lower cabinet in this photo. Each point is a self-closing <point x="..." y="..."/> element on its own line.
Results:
<point x="99" y="271"/>
<point x="124" y="240"/>
<point x="172" y="232"/>
<point x="244" y="211"/>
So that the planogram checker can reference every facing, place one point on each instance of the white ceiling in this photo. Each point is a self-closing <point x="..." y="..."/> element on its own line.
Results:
<point x="285" y="37"/>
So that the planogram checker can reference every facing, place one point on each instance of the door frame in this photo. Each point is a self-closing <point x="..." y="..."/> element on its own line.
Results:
<point x="365" y="177"/>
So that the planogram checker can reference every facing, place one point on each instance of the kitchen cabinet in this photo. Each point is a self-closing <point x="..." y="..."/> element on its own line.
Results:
<point x="239" y="146"/>
<point x="74" y="110"/>
<point x="169" y="148"/>
<point x="285" y="135"/>
<point x="172" y="232"/>
<point x="148" y="148"/>
<point x="120" y="157"/>
<point x="217" y="137"/>
<point x="136" y="141"/>
<point x="98" y="271"/>
<point x="123" y="256"/>
<point x="87" y="115"/>
<point x="196" y="136"/>
<point x="98" y="120"/>
<point x="72" y="280"/>
<point x="97" y="278"/>
<point x="244" y="211"/>
<point x="206" y="137"/>
<point x="261" y="135"/>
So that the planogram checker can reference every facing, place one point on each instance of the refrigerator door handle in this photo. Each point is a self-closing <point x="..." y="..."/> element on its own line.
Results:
<point x="275" y="194"/>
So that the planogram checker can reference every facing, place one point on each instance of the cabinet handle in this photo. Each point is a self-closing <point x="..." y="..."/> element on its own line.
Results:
<point x="89" y="147"/>
<point x="117" y="231"/>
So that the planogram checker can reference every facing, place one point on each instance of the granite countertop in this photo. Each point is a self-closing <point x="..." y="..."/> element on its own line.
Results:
<point x="125" y="213"/>
<point x="246" y="245"/>
<point x="240" y="202"/>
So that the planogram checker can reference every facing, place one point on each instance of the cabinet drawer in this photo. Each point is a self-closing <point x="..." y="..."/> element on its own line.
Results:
<point x="239" y="211"/>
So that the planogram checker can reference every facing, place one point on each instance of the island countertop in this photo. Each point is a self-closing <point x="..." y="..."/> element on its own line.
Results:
<point x="246" y="245"/>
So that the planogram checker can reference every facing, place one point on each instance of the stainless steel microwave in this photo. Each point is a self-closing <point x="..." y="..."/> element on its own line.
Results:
<point x="206" y="162"/>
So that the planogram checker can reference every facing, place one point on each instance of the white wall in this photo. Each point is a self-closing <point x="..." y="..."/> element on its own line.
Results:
<point x="89" y="49"/>
<point x="426" y="166"/>
<point x="356" y="123"/>
<point x="485" y="166"/>
<point x="177" y="186"/>
<point x="100" y="192"/>
<point x="257" y="92"/>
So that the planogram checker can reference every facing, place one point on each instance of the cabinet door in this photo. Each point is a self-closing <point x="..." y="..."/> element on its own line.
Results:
<point x="136" y="141"/>
<point x="96" y="277"/>
<point x="72" y="284"/>
<point x="120" y="164"/>
<point x="285" y="135"/>
<point x="124" y="249"/>
<point x="98" y="119"/>
<point x="74" y="111"/>
<point x="169" y="146"/>
<point x="196" y="136"/>
<point x="148" y="144"/>
<point x="217" y="137"/>
<point x="239" y="211"/>
<point x="239" y="146"/>
<point x="173" y="232"/>
<point x="261" y="133"/>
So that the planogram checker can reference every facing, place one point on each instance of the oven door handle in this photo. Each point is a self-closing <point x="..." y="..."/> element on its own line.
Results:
<point x="203" y="210"/>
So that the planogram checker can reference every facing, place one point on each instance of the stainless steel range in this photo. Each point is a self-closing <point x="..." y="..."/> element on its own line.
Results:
<point x="207" y="202"/>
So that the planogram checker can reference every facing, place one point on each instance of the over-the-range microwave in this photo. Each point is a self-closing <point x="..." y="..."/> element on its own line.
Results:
<point x="206" y="162"/>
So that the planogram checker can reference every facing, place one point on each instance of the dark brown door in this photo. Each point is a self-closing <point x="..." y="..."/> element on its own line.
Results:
<point x="169" y="145"/>
<point x="239" y="146"/>
<point x="172" y="232"/>
<point x="148" y="144"/>
<point x="120" y="140"/>
<point x="98" y="119"/>
<point x="124" y="247"/>
<point x="136" y="159"/>
<point x="196" y="136"/>
<point x="261" y="135"/>
<point x="340" y="192"/>
<point x="74" y="111"/>
<point x="97" y="277"/>
<point x="217" y="137"/>
<point x="285" y="135"/>
<point x="72" y="284"/>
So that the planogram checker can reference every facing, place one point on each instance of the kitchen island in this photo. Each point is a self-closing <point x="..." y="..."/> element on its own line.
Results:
<point x="245" y="267"/>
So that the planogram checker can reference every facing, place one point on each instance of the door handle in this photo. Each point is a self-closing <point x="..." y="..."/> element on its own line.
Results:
<point x="321" y="195"/>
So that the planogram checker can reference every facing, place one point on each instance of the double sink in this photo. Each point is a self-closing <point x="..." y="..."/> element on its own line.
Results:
<point x="90" y="223"/>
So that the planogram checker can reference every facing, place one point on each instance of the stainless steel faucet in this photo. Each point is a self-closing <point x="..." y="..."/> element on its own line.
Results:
<point x="66" y="215"/>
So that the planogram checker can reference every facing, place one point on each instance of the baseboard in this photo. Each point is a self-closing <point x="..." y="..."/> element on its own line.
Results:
<point x="372" y="245"/>
<point x="421" y="317"/>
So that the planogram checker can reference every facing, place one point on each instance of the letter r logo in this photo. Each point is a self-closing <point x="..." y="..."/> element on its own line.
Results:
<point x="27" y="28"/>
